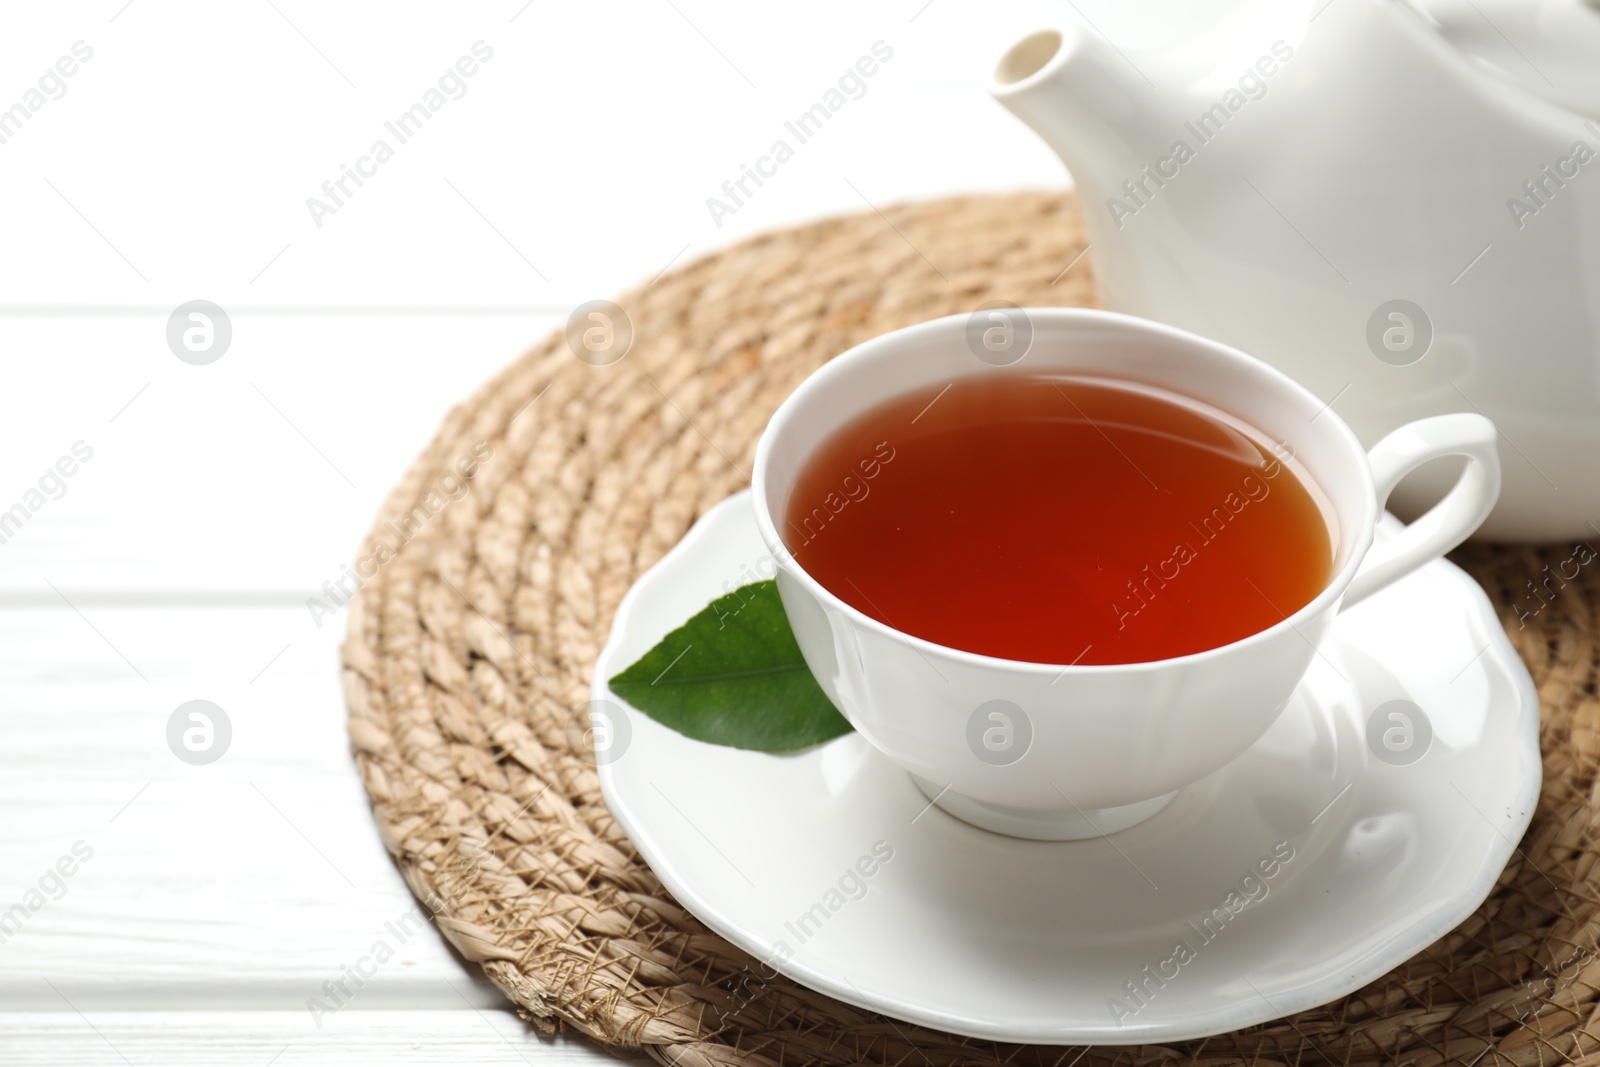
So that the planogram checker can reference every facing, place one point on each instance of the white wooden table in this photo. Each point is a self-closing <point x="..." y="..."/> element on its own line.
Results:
<point x="174" y="564"/>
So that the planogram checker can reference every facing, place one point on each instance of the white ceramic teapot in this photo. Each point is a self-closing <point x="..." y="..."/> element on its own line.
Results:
<point x="1377" y="199"/>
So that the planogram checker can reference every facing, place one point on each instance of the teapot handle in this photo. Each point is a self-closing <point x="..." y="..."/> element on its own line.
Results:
<point x="1450" y="521"/>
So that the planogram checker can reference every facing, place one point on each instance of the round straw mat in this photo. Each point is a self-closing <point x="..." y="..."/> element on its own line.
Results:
<point x="469" y="654"/>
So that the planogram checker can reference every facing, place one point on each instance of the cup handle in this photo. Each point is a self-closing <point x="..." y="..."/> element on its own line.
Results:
<point x="1450" y="521"/>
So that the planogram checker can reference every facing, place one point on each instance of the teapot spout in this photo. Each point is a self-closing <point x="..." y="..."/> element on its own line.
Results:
<point x="1086" y="100"/>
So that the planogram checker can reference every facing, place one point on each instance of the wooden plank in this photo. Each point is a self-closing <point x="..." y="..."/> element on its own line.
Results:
<point x="260" y="472"/>
<point x="243" y="884"/>
<point x="284" y="1039"/>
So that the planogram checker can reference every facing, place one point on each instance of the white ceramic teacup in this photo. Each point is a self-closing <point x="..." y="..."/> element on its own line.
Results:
<point x="1060" y="752"/>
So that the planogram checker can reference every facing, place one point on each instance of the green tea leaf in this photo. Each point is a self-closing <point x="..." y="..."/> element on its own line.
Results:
<point x="733" y="675"/>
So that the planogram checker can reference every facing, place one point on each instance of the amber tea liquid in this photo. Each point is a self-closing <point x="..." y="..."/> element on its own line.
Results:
<point x="1059" y="519"/>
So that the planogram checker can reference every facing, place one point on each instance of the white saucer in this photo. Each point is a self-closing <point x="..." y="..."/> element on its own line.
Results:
<point x="995" y="937"/>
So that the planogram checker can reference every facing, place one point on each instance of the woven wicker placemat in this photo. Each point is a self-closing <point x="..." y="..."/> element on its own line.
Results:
<point x="547" y="493"/>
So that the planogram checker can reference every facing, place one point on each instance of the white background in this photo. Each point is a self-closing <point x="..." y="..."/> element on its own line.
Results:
<point x="176" y="566"/>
